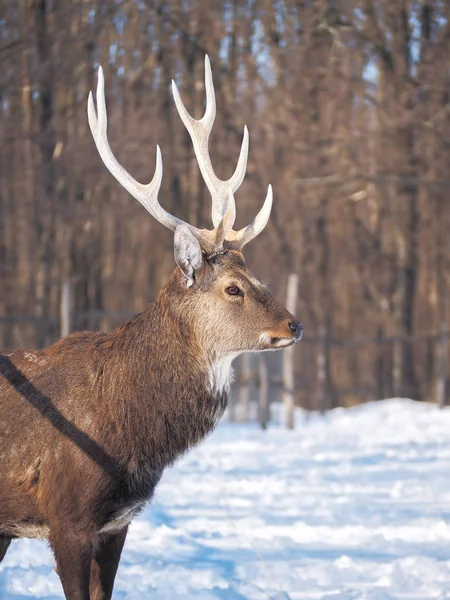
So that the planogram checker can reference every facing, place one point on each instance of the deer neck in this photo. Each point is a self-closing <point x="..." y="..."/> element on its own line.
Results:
<point x="170" y="395"/>
<point x="177" y="317"/>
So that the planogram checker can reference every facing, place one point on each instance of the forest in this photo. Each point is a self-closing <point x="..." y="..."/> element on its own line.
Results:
<point x="347" y="104"/>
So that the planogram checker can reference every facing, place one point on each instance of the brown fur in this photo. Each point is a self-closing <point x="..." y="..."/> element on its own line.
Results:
<point x="88" y="425"/>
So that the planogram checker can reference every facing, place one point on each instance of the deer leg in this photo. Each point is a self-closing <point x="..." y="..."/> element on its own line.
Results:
<point x="105" y="563"/>
<point x="4" y="545"/>
<point x="73" y="556"/>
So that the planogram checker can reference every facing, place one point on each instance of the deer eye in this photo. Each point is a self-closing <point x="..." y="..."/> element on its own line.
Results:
<point x="233" y="290"/>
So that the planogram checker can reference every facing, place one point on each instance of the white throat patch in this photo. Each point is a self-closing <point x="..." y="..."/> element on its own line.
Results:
<point x="221" y="374"/>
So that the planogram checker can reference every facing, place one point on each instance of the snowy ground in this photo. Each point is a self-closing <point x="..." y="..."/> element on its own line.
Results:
<point x="355" y="505"/>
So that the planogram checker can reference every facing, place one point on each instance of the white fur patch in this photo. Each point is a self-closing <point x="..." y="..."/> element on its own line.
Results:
<point x="221" y="374"/>
<point x="284" y="342"/>
<point x="280" y="343"/>
<point x="27" y="530"/>
<point x="121" y="519"/>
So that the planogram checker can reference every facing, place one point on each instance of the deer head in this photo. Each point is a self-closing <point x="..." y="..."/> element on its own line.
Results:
<point x="230" y="309"/>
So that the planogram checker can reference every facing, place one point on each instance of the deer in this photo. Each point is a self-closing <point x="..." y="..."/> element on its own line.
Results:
<point x="88" y="425"/>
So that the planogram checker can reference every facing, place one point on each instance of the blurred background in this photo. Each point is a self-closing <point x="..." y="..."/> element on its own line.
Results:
<point x="347" y="103"/>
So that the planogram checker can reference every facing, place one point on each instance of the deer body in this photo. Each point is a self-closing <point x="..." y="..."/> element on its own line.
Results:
<point x="103" y="414"/>
<point x="88" y="425"/>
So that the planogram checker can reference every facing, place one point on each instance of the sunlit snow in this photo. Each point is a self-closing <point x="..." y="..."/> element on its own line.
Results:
<point x="353" y="505"/>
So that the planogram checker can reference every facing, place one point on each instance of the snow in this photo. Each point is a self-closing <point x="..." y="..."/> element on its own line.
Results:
<point x="351" y="506"/>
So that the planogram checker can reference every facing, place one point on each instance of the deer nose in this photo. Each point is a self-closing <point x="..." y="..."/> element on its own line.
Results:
<point x="297" y="330"/>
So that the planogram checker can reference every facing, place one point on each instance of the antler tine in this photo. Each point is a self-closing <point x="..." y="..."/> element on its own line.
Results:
<point x="199" y="130"/>
<point x="146" y="194"/>
<point x="243" y="236"/>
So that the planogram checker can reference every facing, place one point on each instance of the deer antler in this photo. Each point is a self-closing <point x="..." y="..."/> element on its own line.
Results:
<point x="223" y="204"/>
<point x="221" y="191"/>
<point x="147" y="194"/>
<point x="200" y="131"/>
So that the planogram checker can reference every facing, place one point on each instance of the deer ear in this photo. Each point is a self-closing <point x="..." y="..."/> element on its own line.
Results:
<point x="188" y="253"/>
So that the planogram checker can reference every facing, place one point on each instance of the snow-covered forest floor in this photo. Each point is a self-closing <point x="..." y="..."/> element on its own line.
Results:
<point x="355" y="505"/>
